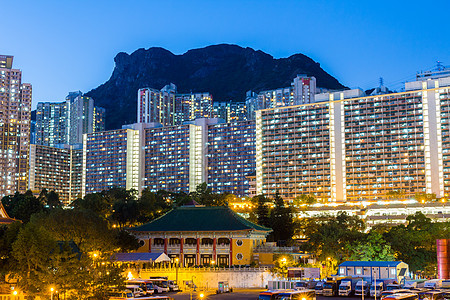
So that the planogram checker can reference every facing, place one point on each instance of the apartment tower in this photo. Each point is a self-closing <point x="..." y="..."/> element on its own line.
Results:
<point x="15" y="108"/>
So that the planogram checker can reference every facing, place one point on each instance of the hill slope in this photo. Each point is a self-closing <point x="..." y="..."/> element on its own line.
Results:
<point x="226" y="71"/>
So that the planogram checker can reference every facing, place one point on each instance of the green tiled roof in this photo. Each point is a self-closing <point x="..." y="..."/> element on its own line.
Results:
<point x="209" y="218"/>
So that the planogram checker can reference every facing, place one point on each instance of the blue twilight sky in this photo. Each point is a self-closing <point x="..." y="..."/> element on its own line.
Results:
<point x="63" y="46"/>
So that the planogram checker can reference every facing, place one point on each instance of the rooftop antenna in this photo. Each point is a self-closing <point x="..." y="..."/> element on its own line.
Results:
<point x="381" y="81"/>
<point x="439" y="66"/>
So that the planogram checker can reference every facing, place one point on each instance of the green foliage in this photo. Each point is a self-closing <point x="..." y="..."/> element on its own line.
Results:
<point x="305" y="200"/>
<point x="415" y="243"/>
<point x="262" y="211"/>
<point x="204" y="196"/>
<point x="281" y="263"/>
<point x="424" y="197"/>
<point x="329" y="236"/>
<point x="69" y="250"/>
<point x="152" y="205"/>
<point x="281" y="221"/>
<point x="396" y="194"/>
<point x="22" y="206"/>
<point x="8" y="234"/>
<point x="53" y="200"/>
<point x="372" y="248"/>
<point x="96" y="202"/>
<point x="125" y="241"/>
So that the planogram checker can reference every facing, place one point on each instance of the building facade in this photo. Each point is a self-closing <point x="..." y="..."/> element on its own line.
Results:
<point x="169" y="108"/>
<point x="301" y="91"/>
<point x="82" y="117"/>
<point x="51" y="123"/>
<point x="347" y="146"/>
<point x="65" y="122"/>
<point x="193" y="106"/>
<point x="202" y="236"/>
<point x="166" y="158"/>
<point x="374" y="270"/>
<point x="230" y="111"/>
<point x="231" y="157"/>
<point x="172" y="158"/>
<point x="15" y="118"/>
<point x="111" y="159"/>
<point x="56" y="169"/>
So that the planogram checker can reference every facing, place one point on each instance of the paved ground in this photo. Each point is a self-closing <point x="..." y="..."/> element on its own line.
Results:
<point x="240" y="294"/>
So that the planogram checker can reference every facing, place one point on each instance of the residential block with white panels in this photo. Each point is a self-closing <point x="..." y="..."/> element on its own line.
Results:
<point x="348" y="146"/>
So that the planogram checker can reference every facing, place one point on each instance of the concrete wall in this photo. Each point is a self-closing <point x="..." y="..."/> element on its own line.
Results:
<point x="209" y="278"/>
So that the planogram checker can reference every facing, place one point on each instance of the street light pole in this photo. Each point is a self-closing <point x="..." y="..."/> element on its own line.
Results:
<point x="362" y="293"/>
<point x="193" y="287"/>
<point x="176" y="269"/>
<point x="51" y="293"/>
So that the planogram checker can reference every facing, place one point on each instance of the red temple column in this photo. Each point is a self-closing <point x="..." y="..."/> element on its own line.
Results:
<point x="214" y="251"/>
<point x="231" y="252"/>
<point x="165" y="245"/>
<point x="181" y="252"/>
<point x="150" y="245"/>
<point x="198" y="251"/>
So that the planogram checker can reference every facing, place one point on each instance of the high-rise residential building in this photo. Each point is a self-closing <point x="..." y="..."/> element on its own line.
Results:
<point x="65" y="122"/>
<point x="230" y="111"/>
<point x="56" y="169"/>
<point x="173" y="158"/>
<point x="176" y="156"/>
<point x="157" y="106"/>
<point x="99" y="119"/>
<point x="231" y="157"/>
<point x="51" y="123"/>
<point x="349" y="147"/>
<point x="111" y="159"/>
<point x="166" y="158"/>
<point x="193" y="106"/>
<point x="80" y="118"/>
<point x="301" y="91"/>
<point x="15" y="109"/>
<point x="167" y="107"/>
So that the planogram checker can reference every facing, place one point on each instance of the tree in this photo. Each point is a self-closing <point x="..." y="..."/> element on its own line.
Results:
<point x="329" y="236"/>
<point x="70" y="250"/>
<point x="31" y="252"/>
<point x="152" y="205"/>
<point x="125" y="211"/>
<point x="415" y="243"/>
<point x="204" y="196"/>
<point x="373" y="248"/>
<point x="281" y="221"/>
<point x="95" y="202"/>
<point x="424" y="197"/>
<point x="8" y="234"/>
<point x="281" y="263"/>
<point x="305" y="200"/>
<point x="22" y="206"/>
<point x="262" y="211"/>
<point x="53" y="200"/>
<point x="396" y="194"/>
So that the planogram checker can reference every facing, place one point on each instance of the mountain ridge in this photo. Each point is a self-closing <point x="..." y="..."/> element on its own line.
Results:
<point x="227" y="71"/>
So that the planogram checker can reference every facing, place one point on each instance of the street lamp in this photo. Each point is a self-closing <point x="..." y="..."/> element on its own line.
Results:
<point x="176" y="269"/>
<point x="51" y="293"/>
<point x="193" y="286"/>
<point x="375" y="282"/>
<point x="328" y="265"/>
<point x="201" y="296"/>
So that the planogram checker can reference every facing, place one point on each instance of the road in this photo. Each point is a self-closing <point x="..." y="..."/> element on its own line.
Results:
<point x="241" y="294"/>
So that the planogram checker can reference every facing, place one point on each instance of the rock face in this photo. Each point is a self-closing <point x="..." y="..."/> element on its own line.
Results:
<point x="226" y="71"/>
